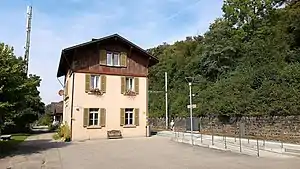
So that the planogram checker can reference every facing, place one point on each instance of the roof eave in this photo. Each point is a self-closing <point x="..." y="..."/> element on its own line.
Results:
<point x="61" y="72"/>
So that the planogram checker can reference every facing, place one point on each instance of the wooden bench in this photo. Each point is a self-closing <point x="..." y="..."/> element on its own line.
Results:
<point x="114" y="134"/>
<point x="5" y="137"/>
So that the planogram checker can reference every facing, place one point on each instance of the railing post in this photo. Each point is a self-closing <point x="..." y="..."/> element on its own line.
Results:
<point x="201" y="129"/>
<point x="225" y="142"/>
<point x="257" y="147"/>
<point x="235" y="133"/>
<point x="240" y="135"/>
<point x="201" y="138"/>
<point x="212" y="135"/>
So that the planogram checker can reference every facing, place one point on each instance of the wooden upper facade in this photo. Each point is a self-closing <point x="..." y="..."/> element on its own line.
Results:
<point x="111" y="55"/>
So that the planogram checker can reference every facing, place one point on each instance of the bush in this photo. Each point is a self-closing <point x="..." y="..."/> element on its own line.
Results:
<point x="64" y="132"/>
<point x="52" y="127"/>
<point x="45" y="120"/>
<point x="56" y="136"/>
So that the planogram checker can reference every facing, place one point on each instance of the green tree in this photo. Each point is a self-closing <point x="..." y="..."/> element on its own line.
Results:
<point x="20" y="102"/>
<point x="249" y="58"/>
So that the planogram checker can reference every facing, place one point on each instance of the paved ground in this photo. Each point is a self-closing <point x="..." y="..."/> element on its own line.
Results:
<point x="142" y="153"/>
<point x="38" y="151"/>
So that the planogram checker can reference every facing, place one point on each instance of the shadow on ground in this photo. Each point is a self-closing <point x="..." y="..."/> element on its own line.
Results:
<point x="32" y="146"/>
<point x="153" y="133"/>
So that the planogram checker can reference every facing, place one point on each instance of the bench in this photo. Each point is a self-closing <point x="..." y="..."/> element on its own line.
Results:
<point x="5" y="137"/>
<point x="114" y="134"/>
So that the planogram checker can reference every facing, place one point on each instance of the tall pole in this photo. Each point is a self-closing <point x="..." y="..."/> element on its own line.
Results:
<point x="166" y="92"/>
<point x="27" y="45"/>
<point x="191" y="111"/>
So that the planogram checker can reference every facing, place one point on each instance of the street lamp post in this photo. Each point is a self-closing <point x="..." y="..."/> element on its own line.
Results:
<point x="190" y="81"/>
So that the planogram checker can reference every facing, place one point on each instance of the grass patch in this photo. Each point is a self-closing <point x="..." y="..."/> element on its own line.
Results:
<point x="7" y="147"/>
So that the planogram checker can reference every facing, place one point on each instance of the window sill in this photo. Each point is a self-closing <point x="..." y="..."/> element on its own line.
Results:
<point x="94" y="93"/>
<point x="129" y="126"/>
<point x="113" y="66"/>
<point x="93" y="127"/>
<point x="130" y="93"/>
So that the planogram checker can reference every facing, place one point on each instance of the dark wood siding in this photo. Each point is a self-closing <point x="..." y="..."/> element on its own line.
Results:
<point x="86" y="60"/>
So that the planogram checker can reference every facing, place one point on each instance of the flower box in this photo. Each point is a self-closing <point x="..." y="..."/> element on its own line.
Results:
<point x="130" y="93"/>
<point x="96" y="91"/>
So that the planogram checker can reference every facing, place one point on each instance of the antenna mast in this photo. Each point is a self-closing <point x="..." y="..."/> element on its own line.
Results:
<point x="28" y="29"/>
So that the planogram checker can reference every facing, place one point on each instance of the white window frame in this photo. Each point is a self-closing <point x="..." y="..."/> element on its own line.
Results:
<point x="118" y="57"/>
<point x="127" y="120"/>
<point x="128" y="86"/>
<point x="93" y="82"/>
<point x="95" y="121"/>
<point x="110" y="57"/>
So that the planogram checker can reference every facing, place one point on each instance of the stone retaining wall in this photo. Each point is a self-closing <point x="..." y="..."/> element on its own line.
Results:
<point x="286" y="129"/>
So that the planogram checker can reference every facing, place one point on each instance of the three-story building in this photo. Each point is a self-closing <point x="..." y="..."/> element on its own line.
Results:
<point x="106" y="87"/>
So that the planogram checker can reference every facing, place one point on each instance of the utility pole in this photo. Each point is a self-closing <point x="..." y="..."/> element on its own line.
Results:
<point x="166" y="92"/>
<point x="27" y="45"/>
<point x="166" y="97"/>
<point x="191" y="111"/>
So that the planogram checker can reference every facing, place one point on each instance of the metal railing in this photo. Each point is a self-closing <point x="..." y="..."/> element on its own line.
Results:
<point x="239" y="136"/>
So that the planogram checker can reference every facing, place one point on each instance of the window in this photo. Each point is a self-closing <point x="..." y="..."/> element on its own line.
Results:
<point x="94" y="117"/>
<point x="113" y="58"/>
<point x="130" y="83"/>
<point x="95" y="82"/>
<point x="129" y="116"/>
<point x="109" y="56"/>
<point x="116" y="59"/>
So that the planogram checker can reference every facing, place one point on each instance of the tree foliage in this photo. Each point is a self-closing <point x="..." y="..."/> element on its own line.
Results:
<point x="20" y="102"/>
<point x="249" y="61"/>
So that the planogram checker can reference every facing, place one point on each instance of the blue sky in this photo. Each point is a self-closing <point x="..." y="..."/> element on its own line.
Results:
<point x="59" y="24"/>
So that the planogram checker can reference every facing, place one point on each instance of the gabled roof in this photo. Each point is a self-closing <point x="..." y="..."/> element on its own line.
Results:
<point x="62" y="70"/>
<point x="56" y="107"/>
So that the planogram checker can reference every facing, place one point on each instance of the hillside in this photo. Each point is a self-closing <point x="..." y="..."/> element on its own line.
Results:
<point x="247" y="63"/>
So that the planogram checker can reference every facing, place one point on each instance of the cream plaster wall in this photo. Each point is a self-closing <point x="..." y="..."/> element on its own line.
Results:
<point x="112" y="101"/>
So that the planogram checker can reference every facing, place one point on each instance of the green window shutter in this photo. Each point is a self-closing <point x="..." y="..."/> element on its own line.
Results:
<point x="87" y="82"/>
<point x="102" y="58"/>
<point x="123" y="59"/>
<point x="103" y="83"/>
<point x="86" y="117"/>
<point x="122" y="117"/>
<point x="102" y="117"/>
<point x="136" y="85"/>
<point x="136" y="117"/>
<point x="123" y="84"/>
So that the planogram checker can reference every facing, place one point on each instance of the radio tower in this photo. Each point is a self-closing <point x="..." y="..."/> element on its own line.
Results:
<point x="28" y="29"/>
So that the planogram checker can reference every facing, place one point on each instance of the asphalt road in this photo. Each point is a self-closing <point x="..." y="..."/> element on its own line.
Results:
<point x="130" y="153"/>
